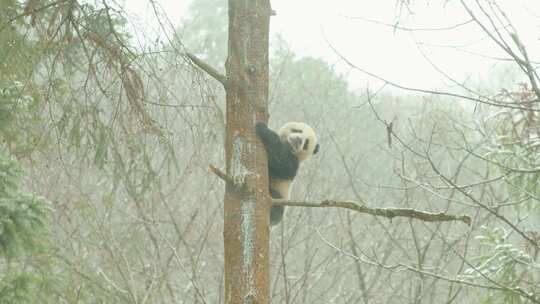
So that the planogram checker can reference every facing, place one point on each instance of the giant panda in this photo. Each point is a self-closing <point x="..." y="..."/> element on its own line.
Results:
<point x="292" y="144"/>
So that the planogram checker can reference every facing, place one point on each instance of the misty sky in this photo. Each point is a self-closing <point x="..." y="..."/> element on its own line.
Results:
<point x="357" y="30"/>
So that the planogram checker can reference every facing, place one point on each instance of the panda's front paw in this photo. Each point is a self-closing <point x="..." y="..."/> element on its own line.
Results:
<point x="260" y="127"/>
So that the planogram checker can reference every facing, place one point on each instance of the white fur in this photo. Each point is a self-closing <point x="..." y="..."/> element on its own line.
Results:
<point x="297" y="135"/>
<point x="283" y="186"/>
<point x="297" y="140"/>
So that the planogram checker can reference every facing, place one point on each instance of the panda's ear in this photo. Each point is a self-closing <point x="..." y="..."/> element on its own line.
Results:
<point x="316" y="149"/>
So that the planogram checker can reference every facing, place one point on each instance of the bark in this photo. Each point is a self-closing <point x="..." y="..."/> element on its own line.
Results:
<point x="246" y="203"/>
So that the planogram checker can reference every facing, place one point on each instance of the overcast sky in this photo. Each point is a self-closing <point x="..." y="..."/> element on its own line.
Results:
<point x="357" y="30"/>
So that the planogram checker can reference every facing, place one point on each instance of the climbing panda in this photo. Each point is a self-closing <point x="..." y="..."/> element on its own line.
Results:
<point x="292" y="144"/>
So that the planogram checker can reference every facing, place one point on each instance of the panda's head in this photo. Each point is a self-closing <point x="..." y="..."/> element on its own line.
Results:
<point x="301" y="138"/>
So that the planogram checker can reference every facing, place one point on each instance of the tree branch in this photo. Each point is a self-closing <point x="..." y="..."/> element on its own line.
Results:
<point x="210" y="70"/>
<point x="384" y="212"/>
<point x="220" y="174"/>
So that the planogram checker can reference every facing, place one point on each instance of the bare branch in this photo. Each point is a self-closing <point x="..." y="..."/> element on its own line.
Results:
<point x="397" y="27"/>
<point x="384" y="212"/>
<point x="524" y="63"/>
<point x="396" y="267"/>
<point x="484" y="206"/>
<point x="220" y="174"/>
<point x="210" y="70"/>
<point x="481" y="99"/>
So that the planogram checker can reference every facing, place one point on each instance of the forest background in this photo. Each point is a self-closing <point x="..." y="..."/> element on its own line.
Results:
<point x="105" y="143"/>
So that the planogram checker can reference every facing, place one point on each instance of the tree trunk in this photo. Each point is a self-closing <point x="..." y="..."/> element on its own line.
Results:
<point x="246" y="203"/>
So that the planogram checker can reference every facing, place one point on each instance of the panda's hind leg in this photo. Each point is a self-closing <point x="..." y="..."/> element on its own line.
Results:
<point x="276" y="212"/>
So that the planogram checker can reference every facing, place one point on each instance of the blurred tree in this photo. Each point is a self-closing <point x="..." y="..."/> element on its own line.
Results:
<point x="24" y="235"/>
<point x="205" y="30"/>
<point x="79" y="110"/>
<point x="24" y="218"/>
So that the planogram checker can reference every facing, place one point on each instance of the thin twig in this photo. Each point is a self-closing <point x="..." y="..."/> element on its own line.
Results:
<point x="483" y="205"/>
<point x="409" y="29"/>
<point x="481" y="99"/>
<point x="399" y="266"/>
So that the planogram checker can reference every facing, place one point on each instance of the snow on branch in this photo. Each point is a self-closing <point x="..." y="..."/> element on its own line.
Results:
<point x="384" y="212"/>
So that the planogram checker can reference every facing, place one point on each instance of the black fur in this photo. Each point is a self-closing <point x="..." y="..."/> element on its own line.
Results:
<point x="276" y="212"/>
<point x="282" y="163"/>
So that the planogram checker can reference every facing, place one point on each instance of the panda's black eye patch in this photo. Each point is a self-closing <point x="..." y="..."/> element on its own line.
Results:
<point x="306" y="144"/>
<point x="296" y="131"/>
